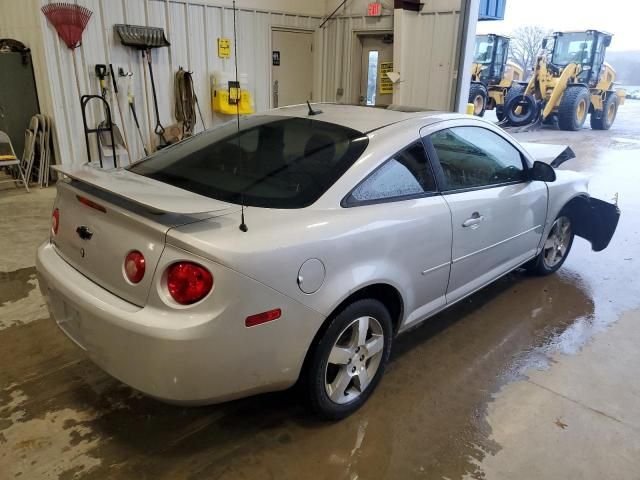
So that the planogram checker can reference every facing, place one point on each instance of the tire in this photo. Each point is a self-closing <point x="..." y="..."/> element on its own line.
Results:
<point x="609" y="112"/>
<point x="478" y="95"/>
<point x="349" y="361"/>
<point x="516" y="90"/>
<point x="521" y="110"/>
<point x="560" y="244"/>
<point x="573" y="108"/>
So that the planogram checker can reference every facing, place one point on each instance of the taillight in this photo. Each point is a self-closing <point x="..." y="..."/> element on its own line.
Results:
<point x="188" y="282"/>
<point x="134" y="266"/>
<point x="55" y="221"/>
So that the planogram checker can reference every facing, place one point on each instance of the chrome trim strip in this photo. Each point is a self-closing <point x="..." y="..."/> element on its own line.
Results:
<point x="432" y="269"/>
<point x="496" y="244"/>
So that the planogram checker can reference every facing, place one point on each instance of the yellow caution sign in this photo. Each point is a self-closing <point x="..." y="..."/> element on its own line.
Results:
<point x="385" y="85"/>
<point x="224" y="48"/>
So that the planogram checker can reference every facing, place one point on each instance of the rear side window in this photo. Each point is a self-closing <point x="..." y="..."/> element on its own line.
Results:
<point x="273" y="162"/>
<point x="476" y="157"/>
<point x="405" y="174"/>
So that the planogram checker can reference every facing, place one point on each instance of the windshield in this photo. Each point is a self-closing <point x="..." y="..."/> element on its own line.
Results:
<point x="573" y="48"/>
<point x="483" y="50"/>
<point x="273" y="161"/>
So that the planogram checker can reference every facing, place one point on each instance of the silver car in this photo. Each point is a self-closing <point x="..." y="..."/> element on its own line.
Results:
<point x="295" y="248"/>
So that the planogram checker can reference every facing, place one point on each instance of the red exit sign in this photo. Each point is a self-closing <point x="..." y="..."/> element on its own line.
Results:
<point x="374" y="9"/>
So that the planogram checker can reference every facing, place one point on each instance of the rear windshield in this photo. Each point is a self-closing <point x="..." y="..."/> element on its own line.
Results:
<point x="273" y="162"/>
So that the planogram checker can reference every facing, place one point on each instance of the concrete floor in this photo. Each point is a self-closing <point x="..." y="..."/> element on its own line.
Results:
<point x="530" y="378"/>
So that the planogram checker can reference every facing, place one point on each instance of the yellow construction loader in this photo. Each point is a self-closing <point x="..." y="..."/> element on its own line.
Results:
<point x="570" y="81"/>
<point x="492" y="75"/>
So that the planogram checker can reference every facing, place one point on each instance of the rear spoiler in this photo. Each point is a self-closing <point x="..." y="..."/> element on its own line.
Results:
<point x="146" y="192"/>
<point x="554" y="155"/>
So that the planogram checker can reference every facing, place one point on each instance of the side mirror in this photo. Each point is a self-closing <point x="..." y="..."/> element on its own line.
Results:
<point x="607" y="41"/>
<point x="542" y="172"/>
<point x="544" y="44"/>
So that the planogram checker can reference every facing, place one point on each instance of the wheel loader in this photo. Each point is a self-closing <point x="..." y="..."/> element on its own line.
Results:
<point x="492" y="74"/>
<point x="570" y="81"/>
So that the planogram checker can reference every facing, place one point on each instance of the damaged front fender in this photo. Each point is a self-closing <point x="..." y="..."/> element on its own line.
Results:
<point x="594" y="220"/>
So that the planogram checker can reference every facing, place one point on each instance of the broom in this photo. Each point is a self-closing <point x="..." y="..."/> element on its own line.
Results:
<point x="69" y="20"/>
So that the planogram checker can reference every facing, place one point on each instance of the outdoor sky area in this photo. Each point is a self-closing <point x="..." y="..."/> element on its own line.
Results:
<point x="619" y="17"/>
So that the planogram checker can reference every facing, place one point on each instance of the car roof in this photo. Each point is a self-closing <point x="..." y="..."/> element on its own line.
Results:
<point x="363" y="119"/>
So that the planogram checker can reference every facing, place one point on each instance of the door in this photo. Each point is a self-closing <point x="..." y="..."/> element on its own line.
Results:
<point x="497" y="215"/>
<point x="377" y="59"/>
<point x="292" y="67"/>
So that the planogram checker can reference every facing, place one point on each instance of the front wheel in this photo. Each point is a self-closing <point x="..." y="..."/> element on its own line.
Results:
<point x="555" y="249"/>
<point x="349" y="360"/>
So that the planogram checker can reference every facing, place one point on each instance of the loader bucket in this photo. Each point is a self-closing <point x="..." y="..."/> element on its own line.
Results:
<point x="141" y="37"/>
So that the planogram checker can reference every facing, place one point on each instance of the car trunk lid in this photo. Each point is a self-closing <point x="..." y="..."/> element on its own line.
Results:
<point x="102" y="220"/>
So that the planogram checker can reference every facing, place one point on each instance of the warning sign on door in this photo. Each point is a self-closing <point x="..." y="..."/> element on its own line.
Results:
<point x="385" y="85"/>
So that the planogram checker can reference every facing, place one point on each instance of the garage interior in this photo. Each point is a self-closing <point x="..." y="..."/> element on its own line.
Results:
<point x="528" y="378"/>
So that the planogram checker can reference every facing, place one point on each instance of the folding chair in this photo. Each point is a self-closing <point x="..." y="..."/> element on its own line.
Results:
<point x="9" y="161"/>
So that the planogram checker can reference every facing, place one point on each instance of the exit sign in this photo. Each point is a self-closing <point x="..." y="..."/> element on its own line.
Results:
<point x="374" y="9"/>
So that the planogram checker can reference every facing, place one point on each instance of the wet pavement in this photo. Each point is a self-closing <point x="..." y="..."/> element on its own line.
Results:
<point x="529" y="378"/>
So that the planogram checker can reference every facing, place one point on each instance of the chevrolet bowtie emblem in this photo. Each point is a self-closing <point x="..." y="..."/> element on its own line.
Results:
<point x="84" y="233"/>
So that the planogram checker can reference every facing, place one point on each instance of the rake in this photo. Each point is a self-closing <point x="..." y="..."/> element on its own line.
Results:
<point x="70" y="21"/>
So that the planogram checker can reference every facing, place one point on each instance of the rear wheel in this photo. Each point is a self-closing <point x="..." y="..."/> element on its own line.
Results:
<point x="349" y="360"/>
<point x="609" y="111"/>
<point x="478" y="97"/>
<point x="573" y="108"/>
<point x="555" y="249"/>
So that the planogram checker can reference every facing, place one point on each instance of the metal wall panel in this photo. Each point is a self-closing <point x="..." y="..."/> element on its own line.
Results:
<point x="192" y="28"/>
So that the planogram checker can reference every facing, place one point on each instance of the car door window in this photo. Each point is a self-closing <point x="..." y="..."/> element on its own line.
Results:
<point x="475" y="157"/>
<point x="405" y="174"/>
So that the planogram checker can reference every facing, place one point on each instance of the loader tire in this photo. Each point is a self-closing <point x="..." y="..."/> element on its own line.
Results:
<point x="521" y="110"/>
<point x="608" y="115"/>
<point x="573" y="108"/>
<point x="478" y="96"/>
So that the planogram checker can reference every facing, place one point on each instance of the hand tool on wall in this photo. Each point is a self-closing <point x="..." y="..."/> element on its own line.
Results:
<point x="145" y="39"/>
<point x="132" y="106"/>
<point x="114" y="83"/>
<point x="69" y="20"/>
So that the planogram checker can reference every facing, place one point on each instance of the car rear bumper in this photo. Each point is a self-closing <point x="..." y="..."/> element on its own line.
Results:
<point x="182" y="355"/>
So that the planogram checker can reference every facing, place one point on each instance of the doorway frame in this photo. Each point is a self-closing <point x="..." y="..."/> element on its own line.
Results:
<point x="356" y="55"/>
<point x="284" y="28"/>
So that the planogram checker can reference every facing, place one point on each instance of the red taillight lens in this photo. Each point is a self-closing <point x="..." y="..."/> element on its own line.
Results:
<point x="263" y="317"/>
<point x="188" y="282"/>
<point x="134" y="266"/>
<point x="55" y="221"/>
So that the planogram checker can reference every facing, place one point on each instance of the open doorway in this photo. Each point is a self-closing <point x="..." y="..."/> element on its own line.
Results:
<point x="291" y="66"/>
<point x="376" y="59"/>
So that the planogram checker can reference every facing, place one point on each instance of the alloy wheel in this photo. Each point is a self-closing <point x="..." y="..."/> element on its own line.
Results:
<point x="354" y="360"/>
<point x="557" y="243"/>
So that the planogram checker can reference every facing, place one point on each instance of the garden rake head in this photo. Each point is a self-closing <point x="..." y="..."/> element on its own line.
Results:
<point x="69" y="20"/>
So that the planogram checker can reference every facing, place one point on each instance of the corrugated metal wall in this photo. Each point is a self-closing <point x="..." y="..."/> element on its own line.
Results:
<point x="427" y="61"/>
<point x="192" y="28"/>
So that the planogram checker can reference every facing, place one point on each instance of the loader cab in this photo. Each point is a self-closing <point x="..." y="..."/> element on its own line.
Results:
<point x="491" y="55"/>
<point x="586" y="49"/>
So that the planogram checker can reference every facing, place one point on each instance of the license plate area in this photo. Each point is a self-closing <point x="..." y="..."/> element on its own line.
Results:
<point x="67" y="317"/>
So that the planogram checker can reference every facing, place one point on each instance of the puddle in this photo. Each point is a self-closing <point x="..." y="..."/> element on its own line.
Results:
<point x="20" y="299"/>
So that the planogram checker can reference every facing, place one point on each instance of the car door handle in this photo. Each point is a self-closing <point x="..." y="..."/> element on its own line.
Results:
<point x="474" y="221"/>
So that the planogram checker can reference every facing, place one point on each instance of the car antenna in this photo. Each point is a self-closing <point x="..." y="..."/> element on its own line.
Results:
<point x="311" y="110"/>
<point x="243" y="226"/>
